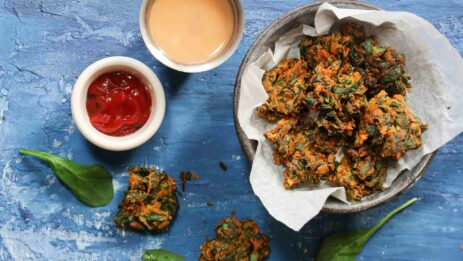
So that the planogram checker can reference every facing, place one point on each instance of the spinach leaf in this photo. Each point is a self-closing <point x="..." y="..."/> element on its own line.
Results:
<point x="346" y="246"/>
<point x="161" y="255"/>
<point x="92" y="185"/>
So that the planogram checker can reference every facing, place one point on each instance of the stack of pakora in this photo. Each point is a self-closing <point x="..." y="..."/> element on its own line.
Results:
<point x="151" y="202"/>
<point x="236" y="240"/>
<point x="345" y="96"/>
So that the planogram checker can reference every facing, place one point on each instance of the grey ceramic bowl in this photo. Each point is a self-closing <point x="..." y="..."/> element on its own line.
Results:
<point x="290" y="20"/>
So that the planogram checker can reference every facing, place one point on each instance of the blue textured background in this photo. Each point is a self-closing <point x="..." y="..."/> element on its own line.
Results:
<point x="44" y="45"/>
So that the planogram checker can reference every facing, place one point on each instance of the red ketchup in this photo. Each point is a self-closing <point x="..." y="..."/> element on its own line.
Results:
<point x="118" y="103"/>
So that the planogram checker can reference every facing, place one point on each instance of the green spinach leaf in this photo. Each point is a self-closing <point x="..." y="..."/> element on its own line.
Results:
<point x="346" y="246"/>
<point x="161" y="255"/>
<point x="92" y="185"/>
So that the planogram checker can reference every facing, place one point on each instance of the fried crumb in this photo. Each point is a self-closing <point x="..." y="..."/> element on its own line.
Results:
<point x="233" y="212"/>
<point x="193" y="174"/>
<point x="210" y="203"/>
<point x="187" y="176"/>
<point x="223" y="166"/>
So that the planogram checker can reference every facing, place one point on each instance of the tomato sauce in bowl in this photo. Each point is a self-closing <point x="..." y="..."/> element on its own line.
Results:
<point x="118" y="103"/>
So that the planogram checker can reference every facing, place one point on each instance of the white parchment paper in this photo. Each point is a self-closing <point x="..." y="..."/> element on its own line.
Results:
<point x="436" y="69"/>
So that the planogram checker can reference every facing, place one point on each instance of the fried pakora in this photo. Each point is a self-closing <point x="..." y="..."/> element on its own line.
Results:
<point x="236" y="240"/>
<point x="150" y="203"/>
<point x="325" y="49"/>
<point x="346" y="95"/>
<point x="338" y="95"/>
<point x="390" y="126"/>
<point x="381" y="68"/>
<point x="307" y="152"/>
<point x="286" y="86"/>
<point x="361" y="173"/>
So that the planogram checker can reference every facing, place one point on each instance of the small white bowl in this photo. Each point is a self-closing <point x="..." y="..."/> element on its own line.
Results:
<point x="200" y="67"/>
<point x="79" y="98"/>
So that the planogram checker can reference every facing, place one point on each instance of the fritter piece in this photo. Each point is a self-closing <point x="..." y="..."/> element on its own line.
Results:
<point x="338" y="96"/>
<point x="362" y="175"/>
<point x="280" y="138"/>
<point x="307" y="152"/>
<point x="325" y="49"/>
<point x="307" y="166"/>
<point x="150" y="202"/>
<point x="381" y="68"/>
<point x="356" y="31"/>
<point x="389" y="126"/>
<point x="320" y="139"/>
<point x="286" y="86"/>
<point x="236" y="240"/>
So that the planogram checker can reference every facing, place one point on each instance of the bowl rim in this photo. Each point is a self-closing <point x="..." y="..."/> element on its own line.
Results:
<point x="79" y="96"/>
<point x="332" y="205"/>
<point x="193" y="68"/>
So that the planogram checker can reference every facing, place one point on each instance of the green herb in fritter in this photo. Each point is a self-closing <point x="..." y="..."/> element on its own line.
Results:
<point x="150" y="203"/>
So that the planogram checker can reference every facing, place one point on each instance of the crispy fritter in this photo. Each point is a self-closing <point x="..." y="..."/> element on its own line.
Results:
<point x="390" y="126"/>
<point x="280" y="137"/>
<point x="381" y="68"/>
<point x="236" y="240"/>
<point x="150" y="202"/>
<point x="355" y="31"/>
<point x="338" y="95"/>
<point x="307" y="152"/>
<point x="325" y="49"/>
<point x="361" y="176"/>
<point x="286" y="86"/>
<point x="308" y="166"/>
<point x="323" y="142"/>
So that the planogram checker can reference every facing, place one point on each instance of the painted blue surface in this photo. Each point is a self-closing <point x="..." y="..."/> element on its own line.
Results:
<point x="44" y="45"/>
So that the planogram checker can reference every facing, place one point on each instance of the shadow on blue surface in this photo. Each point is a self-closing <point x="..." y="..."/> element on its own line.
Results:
<point x="110" y="157"/>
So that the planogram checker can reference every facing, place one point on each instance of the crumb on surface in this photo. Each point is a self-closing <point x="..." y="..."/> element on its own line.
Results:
<point x="186" y="176"/>
<point x="223" y="166"/>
